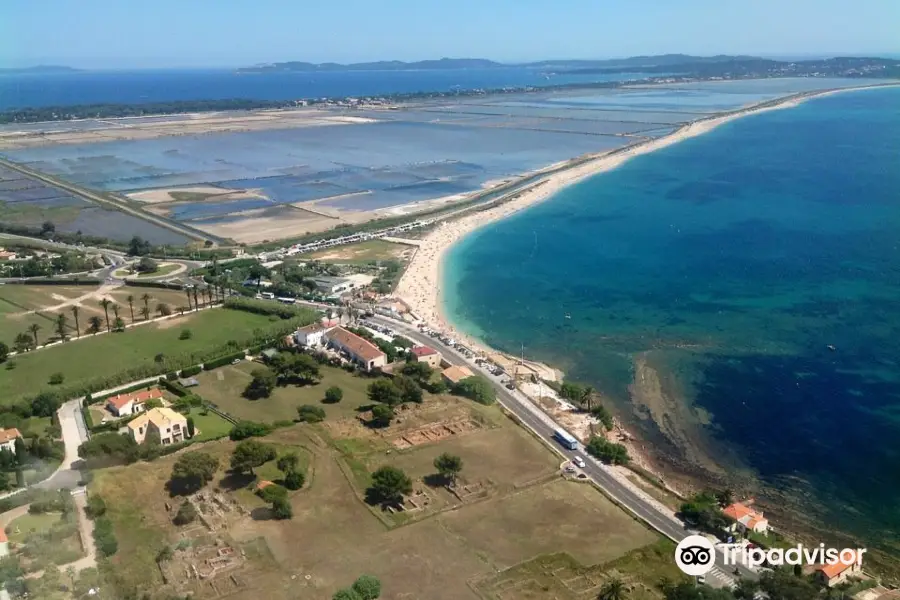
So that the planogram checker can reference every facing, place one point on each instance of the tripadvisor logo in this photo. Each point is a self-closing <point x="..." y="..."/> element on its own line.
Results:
<point x="695" y="555"/>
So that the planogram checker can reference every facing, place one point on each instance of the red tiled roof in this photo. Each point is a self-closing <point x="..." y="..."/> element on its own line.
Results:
<point x="137" y="397"/>
<point x="832" y="571"/>
<point x="354" y="344"/>
<point x="9" y="434"/>
<point x="263" y="485"/>
<point x="423" y="351"/>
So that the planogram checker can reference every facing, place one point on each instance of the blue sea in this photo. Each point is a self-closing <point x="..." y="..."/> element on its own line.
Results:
<point x="755" y="271"/>
<point x="18" y="90"/>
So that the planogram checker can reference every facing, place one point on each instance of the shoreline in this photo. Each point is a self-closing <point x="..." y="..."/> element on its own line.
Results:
<point x="420" y="287"/>
<point x="421" y="284"/>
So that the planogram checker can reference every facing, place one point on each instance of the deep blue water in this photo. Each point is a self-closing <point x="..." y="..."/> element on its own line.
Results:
<point x="88" y="87"/>
<point x="730" y="261"/>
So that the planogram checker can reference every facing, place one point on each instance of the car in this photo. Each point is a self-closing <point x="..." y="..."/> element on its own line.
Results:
<point x="236" y="361"/>
<point x="579" y="462"/>
<point x="570" y="469"/>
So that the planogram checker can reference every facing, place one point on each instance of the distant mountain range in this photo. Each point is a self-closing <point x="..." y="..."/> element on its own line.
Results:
<point x="41" y="69"/>
<point x="482" y="63"/>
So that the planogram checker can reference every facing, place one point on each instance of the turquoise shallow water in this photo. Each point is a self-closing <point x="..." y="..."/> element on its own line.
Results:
<point x="733" y="260"/>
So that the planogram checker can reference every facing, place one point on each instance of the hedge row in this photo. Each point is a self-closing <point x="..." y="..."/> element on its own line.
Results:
<point x="221" y="362"/>
<point x="174" y="387"/>
<point x="191" y="371"/>
<point x="267" y="307"/>
<point x="57" y="281"/>
<point x="155" y="284"/>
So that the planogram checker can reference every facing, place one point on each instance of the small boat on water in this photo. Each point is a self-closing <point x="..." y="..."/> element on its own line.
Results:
<point x="568" y="316"/>
<point x="831" y="347"/>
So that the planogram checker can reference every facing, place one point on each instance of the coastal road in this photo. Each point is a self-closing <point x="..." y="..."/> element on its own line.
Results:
<point x="627" y="496"/>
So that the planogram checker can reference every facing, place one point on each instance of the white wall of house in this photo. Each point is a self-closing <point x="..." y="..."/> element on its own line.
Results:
<point x="10" y="445"/>
<point x="312" y="338"/>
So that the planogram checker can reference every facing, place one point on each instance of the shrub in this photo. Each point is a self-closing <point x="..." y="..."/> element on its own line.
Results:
<point x="271" y="493"/>
<point x="186" y="514"/>
<point x="608" y="452"/>
<point x="334" y="394"/>
<point x="248" y="429"/>
<point x="57" y="379"/>
<point x="367" y="587"/>
<point x="96" y="507"/>
<point x="185" y="334"/>
<point x="282" y="509"/>
<point x="476" y="388"/>
<point x="104" y="537"/>
<point x="294" y="480"/>
<point x="221" y="362"/>
<point x="311" y="414"/>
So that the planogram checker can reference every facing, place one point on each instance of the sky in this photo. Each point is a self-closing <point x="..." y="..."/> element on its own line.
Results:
<point x="228" y="33"/>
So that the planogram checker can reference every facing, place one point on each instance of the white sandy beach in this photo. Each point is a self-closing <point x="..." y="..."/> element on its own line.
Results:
<point x="420" y="286"/>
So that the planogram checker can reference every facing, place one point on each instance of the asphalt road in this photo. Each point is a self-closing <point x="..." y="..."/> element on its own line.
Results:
<point x="540" y="423"/>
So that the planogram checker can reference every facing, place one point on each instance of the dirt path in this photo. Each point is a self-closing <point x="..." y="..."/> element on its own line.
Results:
<point x="94" y="295"/>
<point x="11" y="515"/>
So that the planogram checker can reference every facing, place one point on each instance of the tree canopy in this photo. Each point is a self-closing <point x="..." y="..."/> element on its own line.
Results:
<point x="250" y="454"/>
<point x="609" y="452"/>
<point x="261" y="385"/>
<point x="389" y="485"/>
<point x="476" y="388"/>
<point x="368" y="587"/>
<point x="385" y="392"/>
<point x="448" y="466"/>
<point x="193" y="470"/>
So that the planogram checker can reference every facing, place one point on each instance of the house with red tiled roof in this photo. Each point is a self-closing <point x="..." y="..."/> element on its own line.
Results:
<point x="426" y="355"/>
<point x="360" y="350"/>
<point x="746" y="518"/>
<point x="123" y="405"/>
<point x="455" y="374"/>
<point x="849" y="564"/>
<point x="8" y="438"/>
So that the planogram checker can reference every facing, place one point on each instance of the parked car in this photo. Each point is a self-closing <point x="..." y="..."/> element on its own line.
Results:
<point x="579" y="462"/>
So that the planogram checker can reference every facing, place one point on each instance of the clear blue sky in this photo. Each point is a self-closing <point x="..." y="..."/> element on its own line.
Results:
<point x="187" y="33"/>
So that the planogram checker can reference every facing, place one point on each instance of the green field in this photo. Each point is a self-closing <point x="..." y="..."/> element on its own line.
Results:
<point x="17" y="300"/>
<point x="161" y="271"/>
<point x="224" y="386"/>
<point x="90" y="357"/>
<point x="209" y="426"/>
<point x="20" y="528"/>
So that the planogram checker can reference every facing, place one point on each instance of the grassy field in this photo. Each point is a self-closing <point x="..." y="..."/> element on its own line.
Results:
<point x="210" y="425"/>
<point x="223" y="387"/>
<point x="161" y="271"/>
<point x="85" y="359"/>
<point x="17" y="300"/>
<point x="469" y="548"/>
<point x="20" y="528"/>
<point x="363" y="252"/>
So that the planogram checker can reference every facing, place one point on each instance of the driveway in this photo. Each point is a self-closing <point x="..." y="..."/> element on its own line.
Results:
<point x="74" y="433"/>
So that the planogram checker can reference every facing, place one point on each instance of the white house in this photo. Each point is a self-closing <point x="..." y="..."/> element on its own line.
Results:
<point x="164" y="424"/>
<point x="746" y="518"/>
<point x="310" y="336"/>
<point x="8" y="439"/>
<point x="361" y="351"/>
<point x="123" y="405"/>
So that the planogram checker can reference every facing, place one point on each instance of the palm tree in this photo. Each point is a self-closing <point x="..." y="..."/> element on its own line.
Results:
<point x="188" y="292"/>
<point x="61" y="326"/>
<point x="587" y="397"/>
<point x="196" y="304"/>
<point x="34" y="328"/>
<point x="145" y="312"/>
<point x="146" y="299"/>
<point x="130" y="300"/>
<point x="95" y="324"/>
<point x="75" y="310"/>
<point x="115" y="308"/>
<point x="105" y="304"/>
<point x="613" y="589"/>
